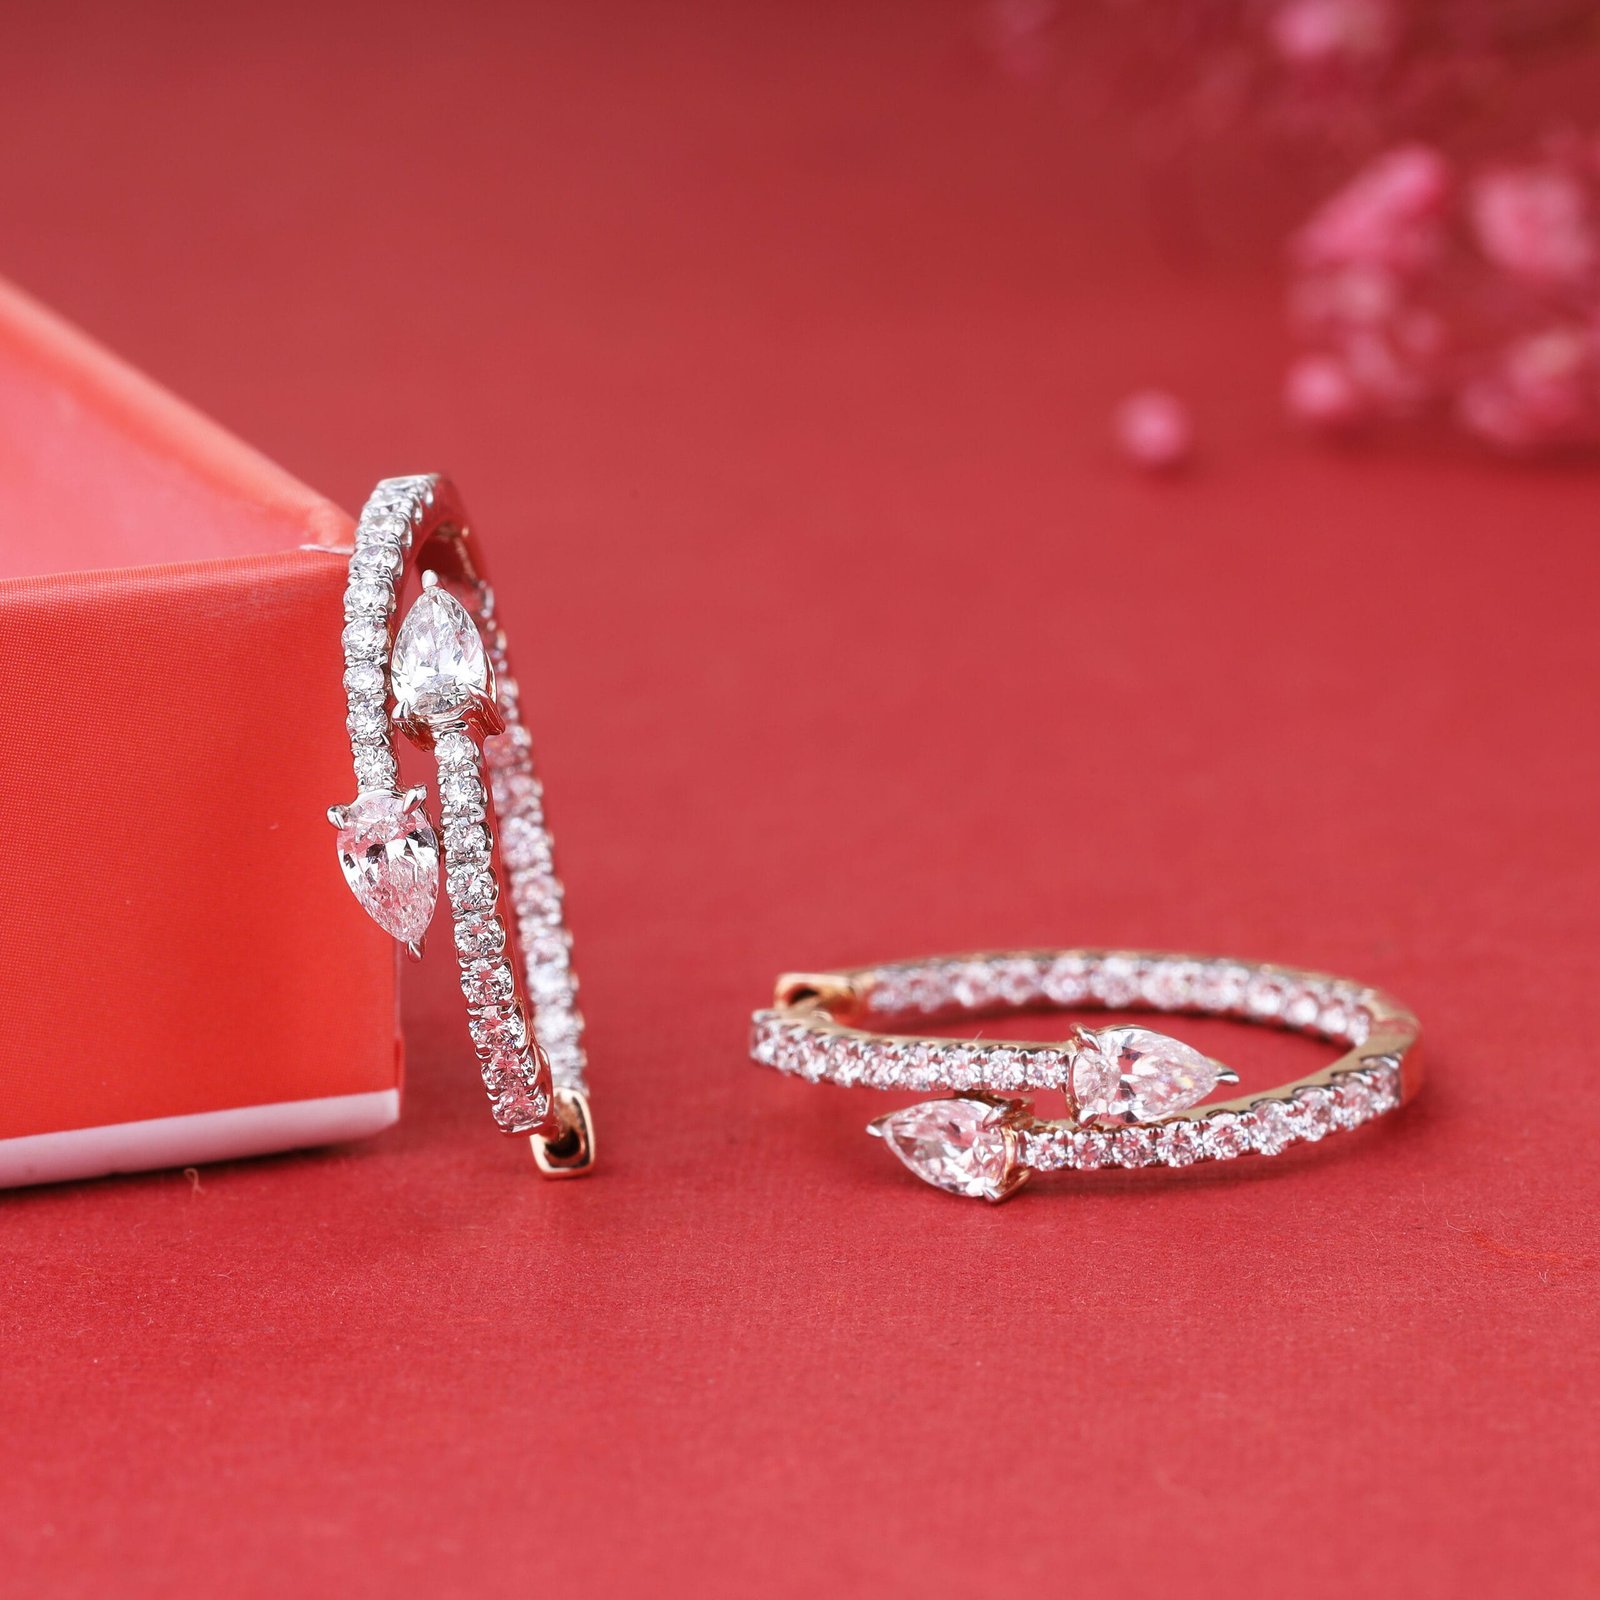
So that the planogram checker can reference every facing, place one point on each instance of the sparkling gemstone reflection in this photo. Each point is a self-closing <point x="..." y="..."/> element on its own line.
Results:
<point x="1138" y="1075"/>
<point x="390" y="859"/>
<point x="439" y="665"/>
<point x="962" y="1146"/>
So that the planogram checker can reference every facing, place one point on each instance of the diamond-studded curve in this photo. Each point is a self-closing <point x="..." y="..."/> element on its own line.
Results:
<point x="811" y="1044"/>
<point x="389" y="525"/>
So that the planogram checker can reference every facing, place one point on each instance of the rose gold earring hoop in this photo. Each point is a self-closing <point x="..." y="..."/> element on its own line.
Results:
<point x="1133" y="1095"/>
<point x="444" y="680"/>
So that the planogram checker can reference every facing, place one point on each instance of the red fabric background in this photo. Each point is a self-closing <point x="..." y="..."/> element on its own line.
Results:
<point x="773" y="349"/>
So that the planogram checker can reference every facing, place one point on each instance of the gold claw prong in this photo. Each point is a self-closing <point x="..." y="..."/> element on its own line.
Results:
<point x="338" y="815"/>
<point x="414" y="947"/>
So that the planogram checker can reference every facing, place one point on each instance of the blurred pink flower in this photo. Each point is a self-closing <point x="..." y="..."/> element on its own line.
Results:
<point x="1400" y="318"/>
<point x="1323" y="35"/>
<point x="1154" y="430"/>
<point x="1390" y="215"/>
<point x="1543" y="392"/>
<point x="1320" y="393"/>
<point x="1535" y="224"/>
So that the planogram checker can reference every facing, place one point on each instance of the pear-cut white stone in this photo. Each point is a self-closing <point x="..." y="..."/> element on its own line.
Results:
<point x="390" y="859"/>
<point x="1138" y="1075"/>
<point x="439" y="664"/>
<point x="958" y="1145"/>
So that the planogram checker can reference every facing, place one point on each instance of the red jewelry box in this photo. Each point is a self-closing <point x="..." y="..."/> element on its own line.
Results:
<point x="183" y="974"/>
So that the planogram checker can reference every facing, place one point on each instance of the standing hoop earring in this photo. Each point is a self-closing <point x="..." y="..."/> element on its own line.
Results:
<point x="446" y="676"/>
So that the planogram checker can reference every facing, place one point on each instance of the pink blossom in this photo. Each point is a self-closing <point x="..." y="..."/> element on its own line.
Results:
<point x="1534" y="223"/>
<point x="1318" y="35"/>
<point x="1320" y="393"/>
<point x="1154" y="430"/>
<point x="1543" y="392"/>
<point x="1389" y="215"/>
<point x="1353" y="296"/>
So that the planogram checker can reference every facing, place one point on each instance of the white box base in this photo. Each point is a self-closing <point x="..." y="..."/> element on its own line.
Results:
<point x="194" y="1140"/>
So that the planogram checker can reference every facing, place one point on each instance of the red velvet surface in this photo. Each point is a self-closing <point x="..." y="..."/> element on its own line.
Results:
<point x="773" y="350"/>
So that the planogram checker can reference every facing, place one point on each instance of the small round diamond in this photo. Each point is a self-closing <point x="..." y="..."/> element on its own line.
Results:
<point x="1268" y="1123"/>
<point x="480" y="935"/>
<point x="1044" y="1152"/>
<point x="962" y="1067"/>
<point x="1133" y="1147"/>
<point x="465" y="841"/>
<point x="376" y="561"/>
<point x="537" y="894"/>
<point x="1002" y="1069"/>
<point x="879" y="1063"/>
<point x="526" y="845"/>
<point x="1310" y="1114"/>
<point x="496" y="1031"/>
<point x="888" y="993"/>
<point x="376" y="767"/>
<point x="367" y="720"/>
<point x="1385" y="1088"/>
<point x="813" y="1054"/>
<point x="1302" y="1009"/>
<point x="516" y="793"/>
<point x="520" y="1108"/>
<point x="1266" y="996"/>
<point x="1066" y="980"/>
<point x="364" y="678"/>
<point x="365" y="640"/>
<point x="381" y="527"/>
<point x="1222" y="985"/>
<point x="368" y="597"/>
<point x="1169" y="985"/>
<point x="764" y="1037"/>
<point x="1115" y="982"/>
<point x="845" y="1057"/>
<point x="1177" y="1144"/>
<point x="455" y="750"/>
<point x="461" y="792"/>
<point x="1223" y="1136"/>
<point x="509" y="748"/>
<point x="559" y="1026"/>
<point x="1018" y="981"/>
<point x="1087" y="1150"/>
<point x="1352" y="1101"/>
<point x="922" y="1067"/>
<point x="1043" y="1069"/>
<point x="470" y="888"/>
<point x="488" y="983"/>
<point x="1334" y="1021"/>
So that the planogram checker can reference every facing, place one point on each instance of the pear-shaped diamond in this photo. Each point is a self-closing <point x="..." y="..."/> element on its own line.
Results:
<point x="1138" y="1075"/>
<point x="439" y="666"/>
<point x="390" y="858"/>
<point x="962" y="1145"/>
